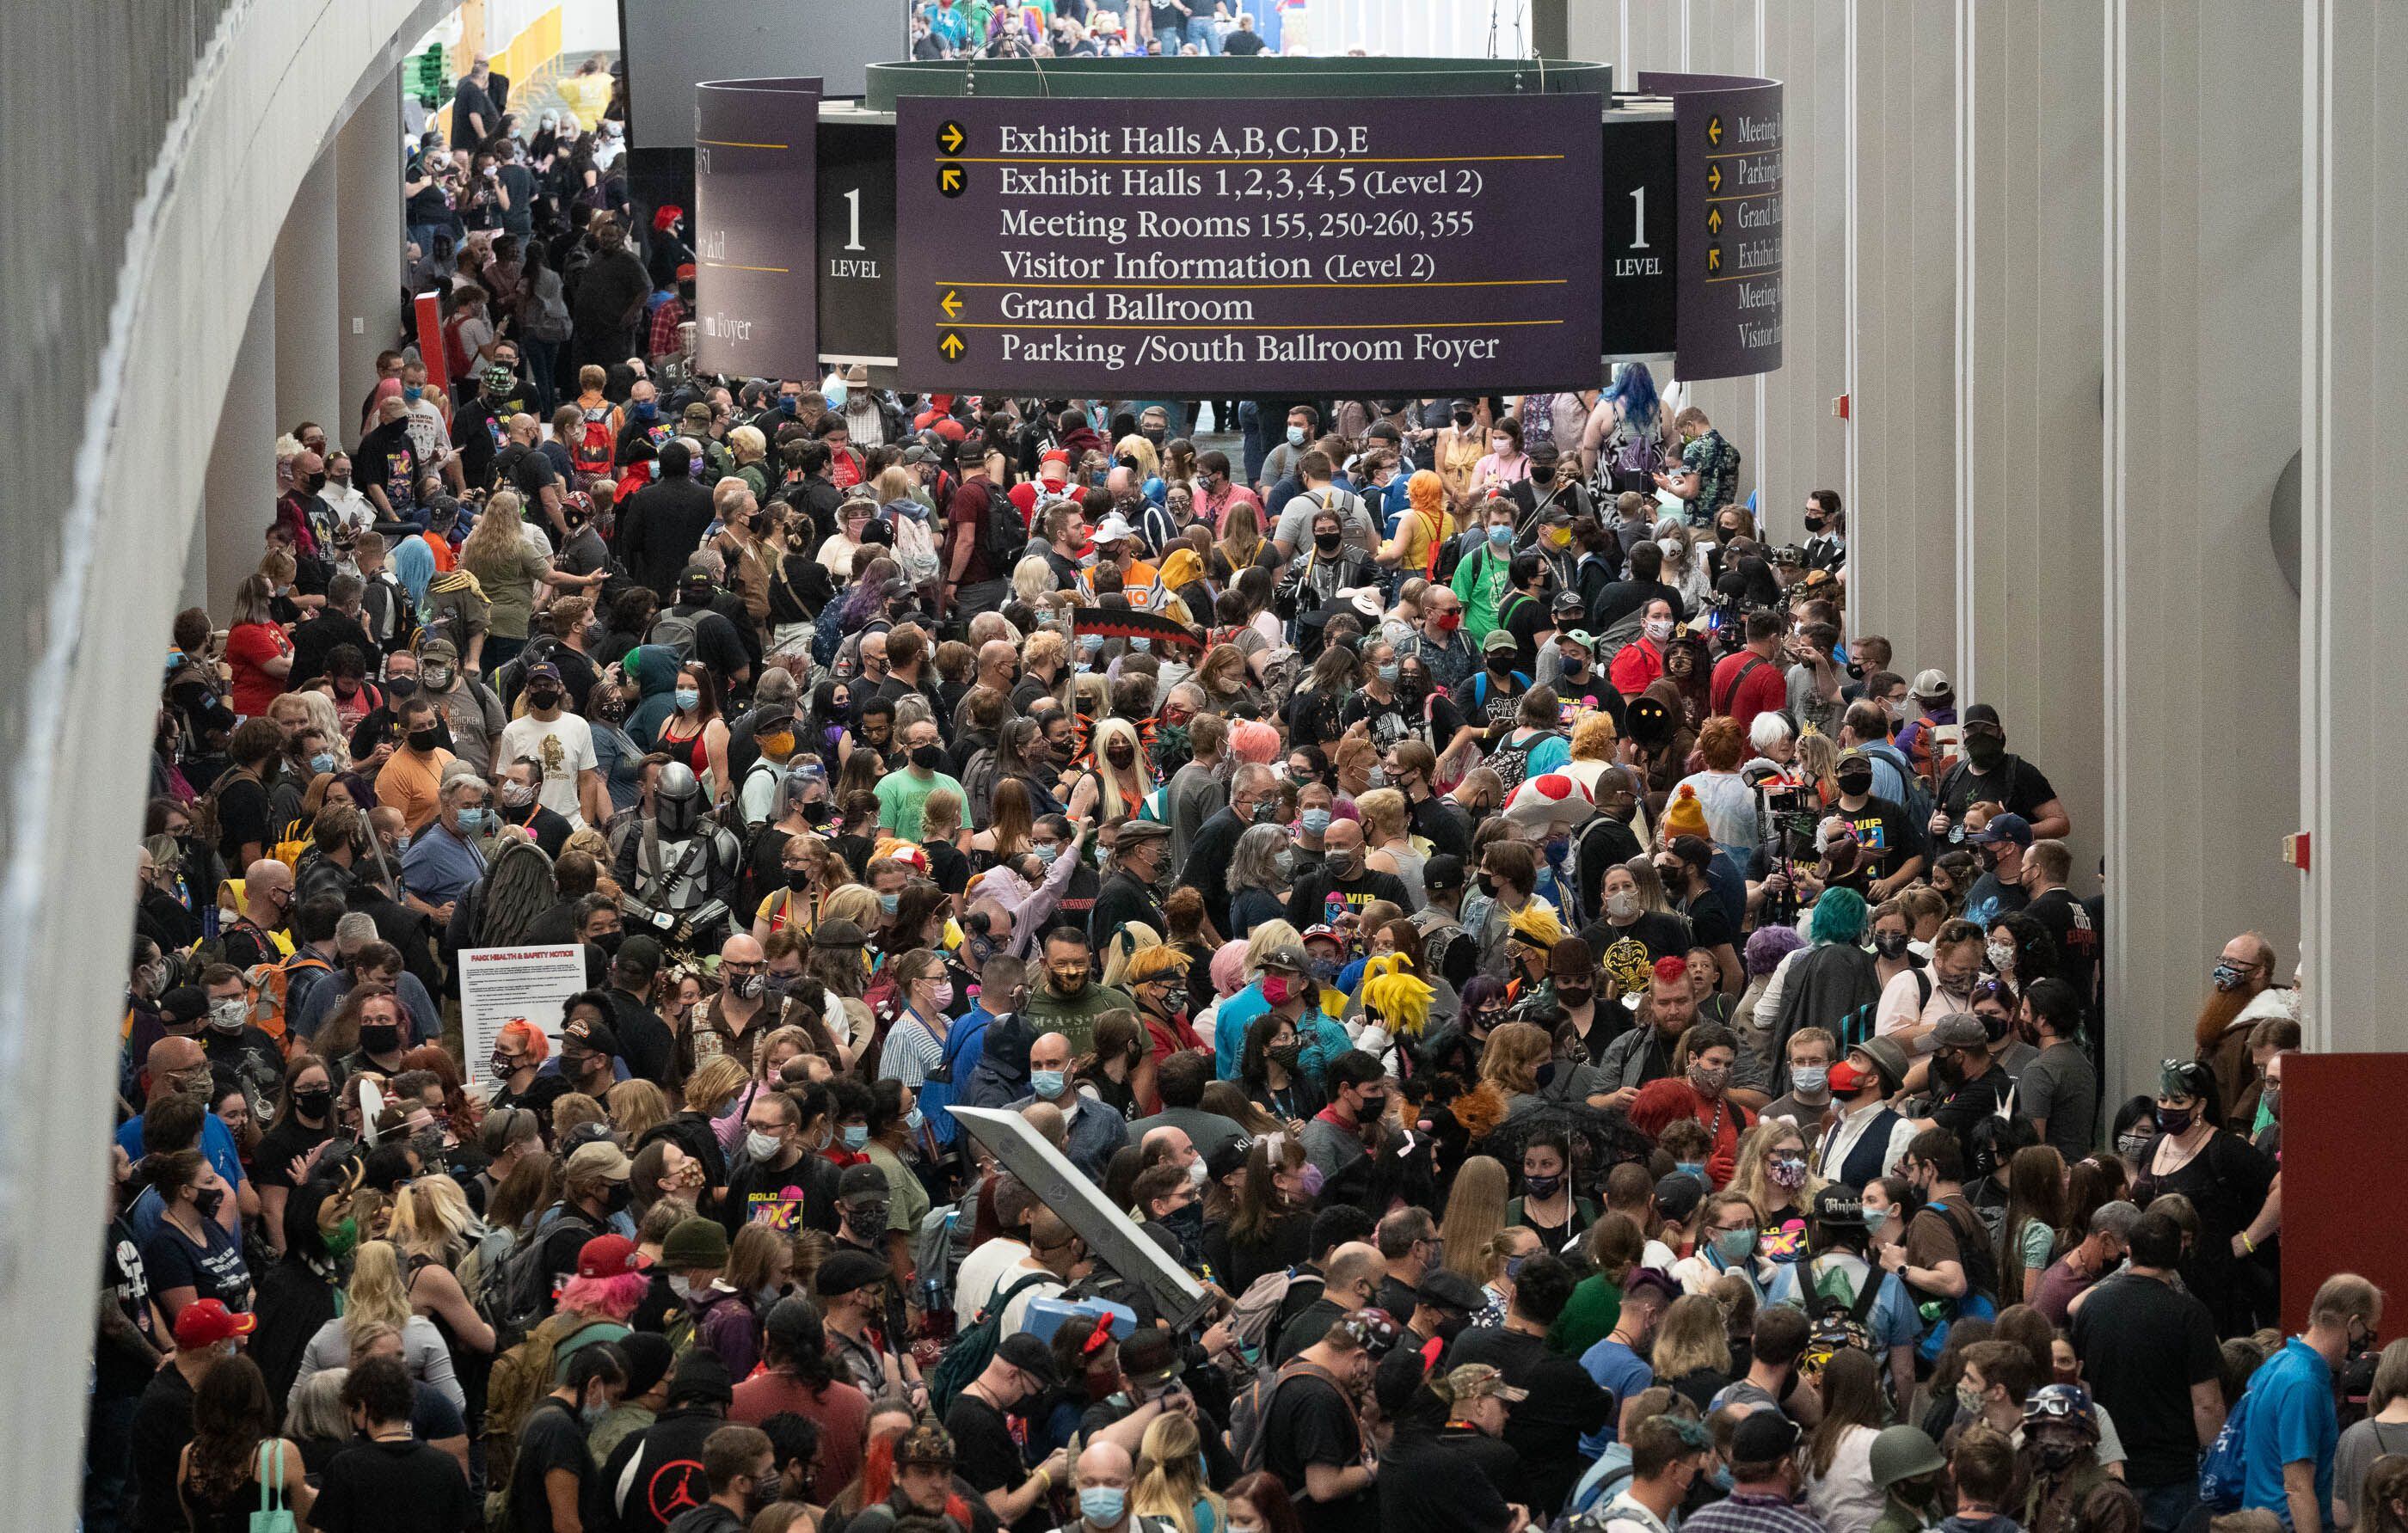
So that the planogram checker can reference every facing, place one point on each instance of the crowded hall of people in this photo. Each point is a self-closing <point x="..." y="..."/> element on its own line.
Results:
<point x="816" y="954"/>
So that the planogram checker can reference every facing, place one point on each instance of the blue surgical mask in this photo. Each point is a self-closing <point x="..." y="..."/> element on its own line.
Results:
<point x="1388" y="675"/>
<point x="1046" y="851"/>
<point x="855" y="1135"/>
<point x="914" y="1120"/>
<point x="410" y="393"/>
<point x="1091" y="642"/>
<point x="1875" y="1219"/>
<point x="1296" y="435"/>
<point x="686" y="698"/>
<point x="1046" y="1083"/>
<point x="1103" y="1506"/>
<point x="646" y="409"/>
<point x="1809" y="1077"/>
<point x="1141" y="644"/>
<point x="322" y="762"/>
<point x="1693" y="1167"/>
<point x="1734" y="1246"/>
<point x="1315" y="822"/>
<point x="472" y="821"/>
<point x="888" y="902"/>
<point x="1501" y="536"/>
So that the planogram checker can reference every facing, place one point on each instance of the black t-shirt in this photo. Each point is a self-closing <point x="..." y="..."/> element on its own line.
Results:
<point x="273" y="1159"/>
<point x="2077" y="940"/>
<point x="387" y="460"/>
<point x="391" y="1487"/>
<point x="242" y="816"/>
<point x="1391" y="720"/>
<point x="1546" y="1428"/>
<point x="1630" y="953"/>
<point x="2018" y="785"/>
<point x="319" y="638"/>
<point x="162" y="1424"/>
<point x="1311" y="1421"/>
<point x="552" y="1439"/>
<point x="1307" y="1326"/>
<point x="1962" y="1109"/>
<point x="1623" y="597"/>
<point x="1319" y="898"/>
<point x="118" y="1371"/>
<point x="716" y="643"/>
<point x="1525" y="617"/>
<point x="2142" y="1345"/>
<point x="1489" y="701"/>
<point x="1886" y="834"/>
<point x="985" y="1454"/>
<point x="1434" y="1483"/>
<point x="1242" y="45"/>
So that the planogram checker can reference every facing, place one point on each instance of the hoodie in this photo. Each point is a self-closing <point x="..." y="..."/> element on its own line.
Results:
<point x="654" y="666"/>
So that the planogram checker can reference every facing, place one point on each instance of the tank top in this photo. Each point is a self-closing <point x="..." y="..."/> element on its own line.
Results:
<point x="231" y="1513"/>
<point x="699" y="757"/>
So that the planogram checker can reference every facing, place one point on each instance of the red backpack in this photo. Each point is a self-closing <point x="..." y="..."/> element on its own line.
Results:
<point x="595" y="447"/>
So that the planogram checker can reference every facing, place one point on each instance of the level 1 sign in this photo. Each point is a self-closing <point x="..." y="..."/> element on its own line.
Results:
<point x="755" y="286"/>
<point x="1120" y="248"/>
<point x="1727" y="154"/>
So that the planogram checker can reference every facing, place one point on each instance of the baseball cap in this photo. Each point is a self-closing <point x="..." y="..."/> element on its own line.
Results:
<point x="917" y="453"/>
<point x="835" y="932"/>
<point x="1763" y="1437"/>
<point x="1149" y="1357"/>
<point x="1115" y="528"/>
<point x="1443" y="871"/>
<point x="1961" y="1031"/>
<point x="1839" y="1207"/>
<point x="1678" y="1194"/>
<point x="862" y="1181"/>
<point x="186" y="1003"/>
<point x="693" y="1245"/>
<point x="2003" y="827"/>
<point x="604" y="1159"/>
<point x="1290" y="956"/>
<point x="589" y="1033"/>
<point x="1032" y="1357"/>
<point x="1225" y="1157"/>
<point x="605" y="1257"/>
<point x="1443" y="1288"/>
<point x="1932" y="684"/>
<point x="1982" y="714"/>
<point x="1475" y="1381"/>
<point x="697" y="413"/>
<point x="1499" y="641"/>
<point x="639" y="954"/>
<point x="543" y="670"/>
<point x="1324" y="934"/>
<point x="846" y="1272"/>
<point x="206" y="1322"/>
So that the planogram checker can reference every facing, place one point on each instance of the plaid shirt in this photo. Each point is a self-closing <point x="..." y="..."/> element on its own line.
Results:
<point x="665" y="320"/>
<point x="1744" y="1513"/>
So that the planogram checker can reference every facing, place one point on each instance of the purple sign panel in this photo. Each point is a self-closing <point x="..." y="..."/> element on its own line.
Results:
<point x="755" y="289"/>
<point x="1727" y="157"/>
<point x="1119" y="248"/>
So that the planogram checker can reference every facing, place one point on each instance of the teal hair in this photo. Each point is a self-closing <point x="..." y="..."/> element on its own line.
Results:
<point x="1840" y="916"/>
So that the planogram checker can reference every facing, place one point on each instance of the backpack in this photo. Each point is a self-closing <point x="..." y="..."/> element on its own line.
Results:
<point x="1918" y="797"/>
<point x="677" y="631"/>
<point x="274" y="993"/>
<point x="595" y="449"/>
<point x="974" y="1348"/>
<point x="1858" y="1025"/>
<point x="1258" y="1309"/>
<point x="522" y="1379"/>
<point x="1839" y="1324"/>
<point x="2224" y="1469"/>
<point x="1250" y="1409"/>
<point x="932" y="1255"/>
<point x="1001" y="534"/>
<point x="514" y="1294"/>
<point x="942" y="1087"/>
<point x="1512" y="763"/>
<point x="1604" y="1488"/>
<point x="1979" y="1301"/>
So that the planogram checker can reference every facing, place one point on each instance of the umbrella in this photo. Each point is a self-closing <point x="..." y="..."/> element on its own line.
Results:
<point x="1601" y="1140"/>
<point x="1135" y="623"/>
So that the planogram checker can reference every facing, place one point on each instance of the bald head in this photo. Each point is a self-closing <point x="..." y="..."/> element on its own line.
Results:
<point x="995" y="657"/>
<point x="1105" y="1466"/>
<point x="1048" y="1121"/>
<point x="170" y="1054"/>
<point x="524" y="428"/>
<point x="1353" y="1274"/>
<point x="741" y="949"/>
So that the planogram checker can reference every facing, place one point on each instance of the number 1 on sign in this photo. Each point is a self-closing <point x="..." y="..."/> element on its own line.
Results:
<point x="1639" y="218"/>
<point x="852" y="201"/>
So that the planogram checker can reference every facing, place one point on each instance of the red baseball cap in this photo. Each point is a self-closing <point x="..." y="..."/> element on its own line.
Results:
<point x="607" y="1256"/>
<point x="206" y="1322"/>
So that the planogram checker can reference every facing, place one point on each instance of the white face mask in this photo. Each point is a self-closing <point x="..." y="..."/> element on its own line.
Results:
<point x="762" y="1146"/>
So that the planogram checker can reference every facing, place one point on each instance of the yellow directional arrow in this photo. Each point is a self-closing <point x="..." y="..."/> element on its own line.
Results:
<point x="951" y="346"/>
<point x="950" y="180"/>
<point x="1714" y="221"/>
<point x="1713" y="258"/>
<point x="1713" y="178"/>
<point x="950" y="303"/>
<point x="1714" y="130"/>
<point x="951" y="138"/>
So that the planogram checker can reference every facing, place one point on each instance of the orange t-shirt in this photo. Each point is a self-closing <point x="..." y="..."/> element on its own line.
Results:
<point x="408" y="785"/>
<point x="445" y="560"/>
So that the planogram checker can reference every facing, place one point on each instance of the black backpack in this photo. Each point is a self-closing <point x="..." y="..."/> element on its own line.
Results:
<point x="1002" y="535"/>
<point x="974" y="1348"/>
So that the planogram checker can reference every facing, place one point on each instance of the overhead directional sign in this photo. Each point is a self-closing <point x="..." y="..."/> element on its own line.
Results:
<point x="1727" y="157"/>
<point x="1118" y="247"/>
<point x="755" y="147"/>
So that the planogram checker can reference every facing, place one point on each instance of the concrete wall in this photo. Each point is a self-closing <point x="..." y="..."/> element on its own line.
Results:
<point x="163" y="142"/>
<point x="2204" y="334"/>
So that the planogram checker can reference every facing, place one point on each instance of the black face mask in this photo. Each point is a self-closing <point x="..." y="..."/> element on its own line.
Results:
<point x="1852" y="783"/>
<point x="617" y="1198"/>
<point x="927" y="757"/>
<point x="1463" y="423"/>
<point x="1502" y="664"/>
<point x="426" y="740"/>
<point x="543" y="697"/>
<point x="1813" y="524"/>
<point x="379" y="1040"/>
<point x="313" y="1103"/>
<point x="1326" y="541"/>
<point x="1543" y="473"/>
<point x="1488" y="885"/>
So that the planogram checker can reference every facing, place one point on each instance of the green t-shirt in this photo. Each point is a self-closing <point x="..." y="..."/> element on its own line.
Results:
<point x="1588" y="1318"/>
<point x="902" y="795"/>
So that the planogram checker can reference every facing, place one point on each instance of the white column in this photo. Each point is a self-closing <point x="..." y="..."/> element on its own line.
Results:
<point x="239" y="496"/>
<point x="2355" y="311"/>
<point x="2202" y="341"/>
<point x="308" y="364"/>
<point x="367" y="178"/>
<point x="2032" y="301"/>
<point x="1901" y="328"/>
